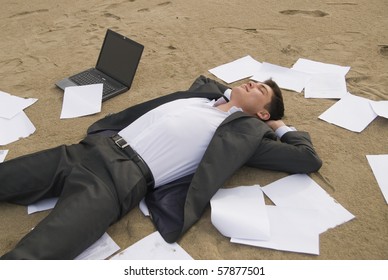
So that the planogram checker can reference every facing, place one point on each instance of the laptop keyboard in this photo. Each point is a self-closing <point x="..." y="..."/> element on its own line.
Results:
<point x="86" y="78"/>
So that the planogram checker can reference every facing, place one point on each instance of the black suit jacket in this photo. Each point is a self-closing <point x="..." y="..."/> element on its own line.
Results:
<point x="239" y="140"/>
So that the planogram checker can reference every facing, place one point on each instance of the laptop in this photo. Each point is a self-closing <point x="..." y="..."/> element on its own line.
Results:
<point x="115" y="69"/>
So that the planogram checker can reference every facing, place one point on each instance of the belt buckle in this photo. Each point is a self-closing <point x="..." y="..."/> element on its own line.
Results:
<point x="123" y="145"/>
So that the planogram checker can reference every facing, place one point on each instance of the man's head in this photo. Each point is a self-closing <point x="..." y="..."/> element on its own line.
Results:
<point x="263" y="100"/>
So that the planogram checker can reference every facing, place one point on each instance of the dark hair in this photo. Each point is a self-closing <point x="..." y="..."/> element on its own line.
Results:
<point x="276" y="106"/>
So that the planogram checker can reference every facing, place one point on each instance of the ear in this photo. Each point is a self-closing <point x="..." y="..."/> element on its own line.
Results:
<point x="263" y="115"/>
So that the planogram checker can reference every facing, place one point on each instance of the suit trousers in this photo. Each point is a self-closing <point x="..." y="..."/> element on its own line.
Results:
<point x="96" y="183"/>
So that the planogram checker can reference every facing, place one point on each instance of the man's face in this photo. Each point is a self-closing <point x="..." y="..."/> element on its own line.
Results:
<point x="252" y="98"/>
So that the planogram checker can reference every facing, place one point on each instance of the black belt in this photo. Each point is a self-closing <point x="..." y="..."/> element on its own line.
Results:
<point x="136" y="158"/>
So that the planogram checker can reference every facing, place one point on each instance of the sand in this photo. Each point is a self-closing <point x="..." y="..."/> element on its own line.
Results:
<point x="43" y="41"/>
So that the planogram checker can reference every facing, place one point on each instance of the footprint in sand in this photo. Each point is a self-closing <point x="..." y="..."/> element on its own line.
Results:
<point x="316" y="13"/>
<point x="110" y="15"/>
<point x="164" y="3"/>
<point x="159" y="5"/>
<point x="144" y="10"/>
<point x="29" y="13"/>
<point x="229" y="29"/>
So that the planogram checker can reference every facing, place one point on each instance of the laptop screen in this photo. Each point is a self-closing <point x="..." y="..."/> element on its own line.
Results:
<point x="119" y="57"/>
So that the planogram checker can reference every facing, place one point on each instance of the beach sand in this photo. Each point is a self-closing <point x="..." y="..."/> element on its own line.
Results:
<point x="44" y="41"/>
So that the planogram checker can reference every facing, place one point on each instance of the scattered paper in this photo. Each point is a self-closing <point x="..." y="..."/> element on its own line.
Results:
<point x="13" y="129"/>
<point x="350" y="112"/>
<point x="144" y="208"/>
<point x="100" y="250"/>
<point x="291" y="230"/>
<point x="314" y="67"/>
<point x="236" y="70"/>
<point x="326" y="85"/>
<point x="380" y="108"/>
<point x="11" y="105"/>
<point x="42" y="205"/>
<point x="3" y="154"/>
<point x="153" y="247"/>
<point x="285" y="77"/>
<point x="379" y="164"/>
<point x="241" y="213"/>
<point x="81" y="101"/>
<point x="300" y="191"/>
<point x="328" y="80"/>
<point x="14" y="123"/>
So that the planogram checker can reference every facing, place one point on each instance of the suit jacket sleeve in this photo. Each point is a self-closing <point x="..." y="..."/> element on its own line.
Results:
<point x="211" y="85"/>
<point x="293" y="154"/>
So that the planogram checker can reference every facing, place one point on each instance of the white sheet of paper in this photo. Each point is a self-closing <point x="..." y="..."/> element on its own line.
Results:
<point x="153" y="247"/>
<point x="144" y="208"/>
<point x="42" y="205"/>
<point x="350" y="112"/>
<point x="380" y="108"/>
<point x="315" y="67"/>
<point x="3" y="154"/>
<point x="11" y="105"/>
<point x="100" y="250"/>
<point x="236" y="70"/>
<point x="326" y="85"/>
<point x="240" y="212"/>
<point x="285" y="77"/>
<point x="81" y="101"/>
<point x="291" y="230"/>
<point x="300" y="191"/>
<point x="379" y="164"/>
<point x="13" y="129"/>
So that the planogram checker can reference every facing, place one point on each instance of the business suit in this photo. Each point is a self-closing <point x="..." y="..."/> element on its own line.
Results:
<point x="240" y="139"/>
<point x="104" y="184"/>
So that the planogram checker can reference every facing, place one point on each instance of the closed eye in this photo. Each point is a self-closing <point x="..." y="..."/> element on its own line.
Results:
<point x="264" y="89"/>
